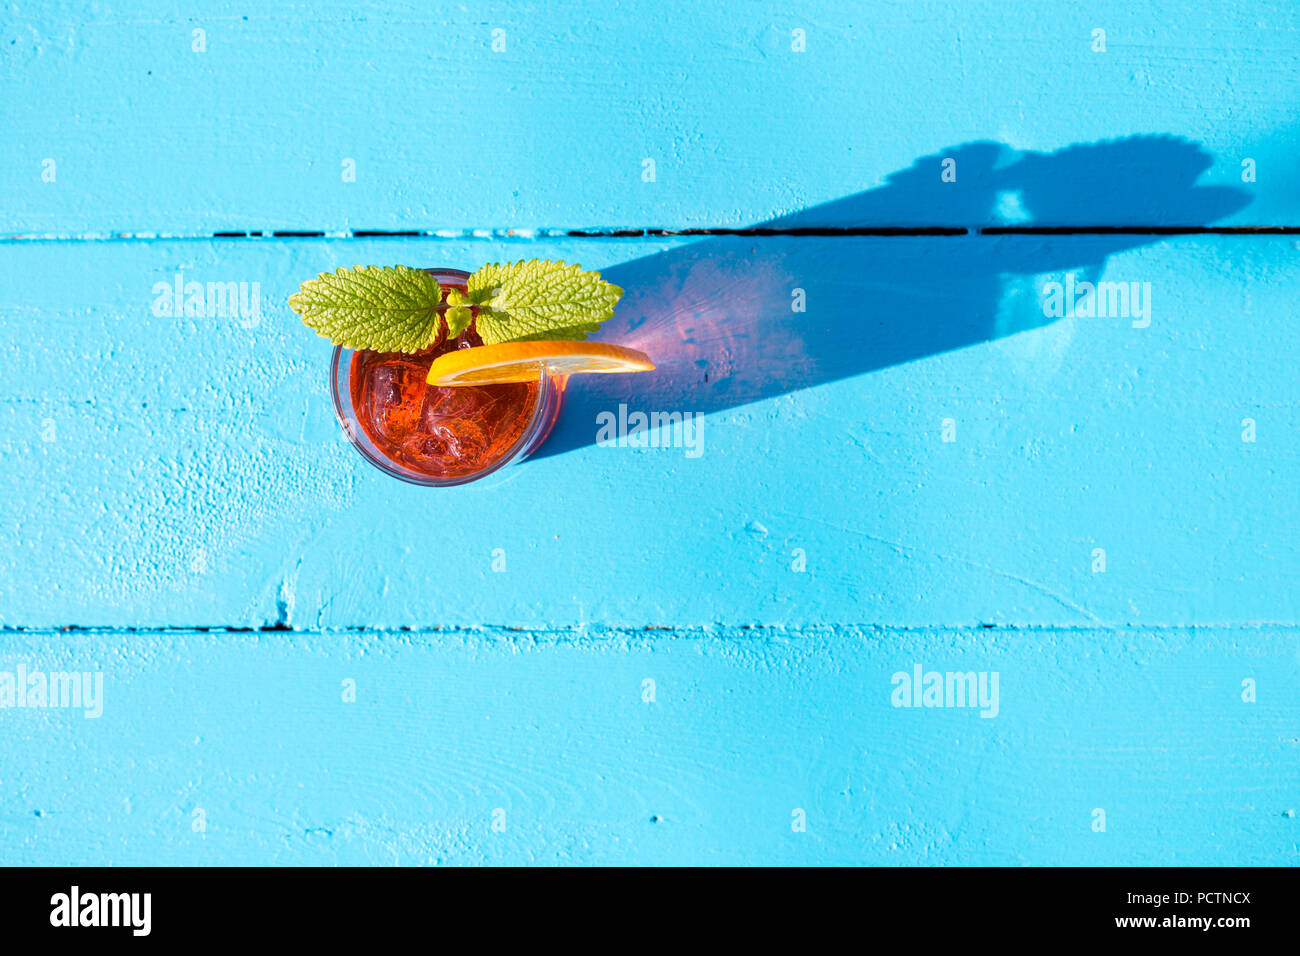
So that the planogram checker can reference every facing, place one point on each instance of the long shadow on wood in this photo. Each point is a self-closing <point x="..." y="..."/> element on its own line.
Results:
<point x="719" y="315"/>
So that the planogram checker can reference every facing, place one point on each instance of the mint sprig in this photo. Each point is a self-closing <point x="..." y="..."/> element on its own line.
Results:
<point x="385" y="308"/>
<point x="539" y="299"/>
<point x="397" y="309"/>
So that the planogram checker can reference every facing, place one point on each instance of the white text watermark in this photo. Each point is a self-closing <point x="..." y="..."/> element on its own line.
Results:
<point x="37" y="689"/>
<point x="211" y="300"/>
<point x="1102" y="300"/>
<point x="651" y="430"/>
<point x="922" y="688"/>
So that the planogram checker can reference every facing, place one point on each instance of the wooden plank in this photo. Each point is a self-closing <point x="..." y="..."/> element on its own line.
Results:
<point x="554" y="130"/>
<point x="240" y="749"/>
<point x="165" y="472"/>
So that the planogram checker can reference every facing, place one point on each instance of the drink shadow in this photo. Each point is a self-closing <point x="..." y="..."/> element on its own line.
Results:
<point x="720" y="316"/>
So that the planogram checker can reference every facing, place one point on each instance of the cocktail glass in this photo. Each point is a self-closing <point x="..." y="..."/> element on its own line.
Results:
<point x="433" y="435"/>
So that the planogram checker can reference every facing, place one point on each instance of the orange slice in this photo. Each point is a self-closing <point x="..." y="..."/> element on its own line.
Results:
<point x="525" y="361"/>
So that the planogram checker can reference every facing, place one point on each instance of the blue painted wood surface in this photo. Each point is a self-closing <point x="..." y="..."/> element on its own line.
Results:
<point x="904" y="460"/>
<point x="180" y="473"/>
<point x="553" y="129"/>
<point x="548" y="732"/>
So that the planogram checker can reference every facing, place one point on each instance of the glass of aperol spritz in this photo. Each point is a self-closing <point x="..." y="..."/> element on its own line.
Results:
<point x="438" y="435"/>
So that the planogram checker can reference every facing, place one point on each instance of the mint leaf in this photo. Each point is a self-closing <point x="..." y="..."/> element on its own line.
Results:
<point x="385" y="308"/>
<point x="396" y="308"/>
<point x="459" y="315"/>
<point x="539" y="299"/>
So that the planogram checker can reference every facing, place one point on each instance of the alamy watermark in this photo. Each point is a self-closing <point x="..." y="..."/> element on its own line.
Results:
<point x="922" y="688"/>
<point x="1103" y="300"/>
<point x="21" y="688"/>
<point x="210" y="300"/>
<point x="651" y="430"/>
<point x="75" y="908"/>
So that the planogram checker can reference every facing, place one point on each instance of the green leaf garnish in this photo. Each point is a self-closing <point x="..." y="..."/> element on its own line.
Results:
<point x="539" y="299"/>
<point x="396" y="308"/>
<point x="459" y="315"/>
<point x="385" y="308"/>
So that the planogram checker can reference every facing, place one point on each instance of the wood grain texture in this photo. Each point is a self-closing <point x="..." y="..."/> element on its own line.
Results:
<point x="745" y="727"/>
<point x="150" y="136"/>
<point x="919" y="468"/>
<point x="189" y="472"/>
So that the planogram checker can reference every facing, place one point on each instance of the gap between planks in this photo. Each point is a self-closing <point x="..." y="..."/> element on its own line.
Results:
<point x="657" y="232"/>
<point x="689" y="630"/>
